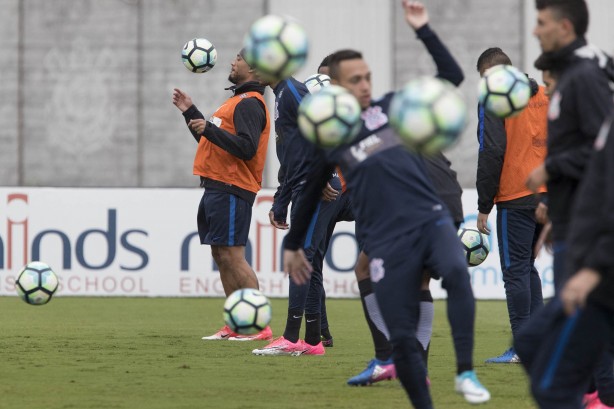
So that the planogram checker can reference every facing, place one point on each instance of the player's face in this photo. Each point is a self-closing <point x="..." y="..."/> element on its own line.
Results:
<point x="550" y="30"/>
<point x="239" y="70"/>
<point x="355" y="76"/>
<point x="549" y="82"/>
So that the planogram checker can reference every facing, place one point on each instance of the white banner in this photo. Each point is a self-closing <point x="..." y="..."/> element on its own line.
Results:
<point x="143" y="242"/>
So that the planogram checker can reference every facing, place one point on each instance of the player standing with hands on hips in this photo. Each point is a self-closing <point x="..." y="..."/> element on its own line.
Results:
<point x="230" y="158"/>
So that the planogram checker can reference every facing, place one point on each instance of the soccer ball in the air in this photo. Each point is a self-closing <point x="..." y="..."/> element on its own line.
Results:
<point x="504" y="90"/>
<point x="276" y="47"/>
<point x="329" y="117"/>
<point x="475" y="245"/>
<point x="199" y="55"/>
<point x="36" y="283"/>
<point x="316" y="82"/>
<point x="428" y="114"/>
<point x="247" y="311"/>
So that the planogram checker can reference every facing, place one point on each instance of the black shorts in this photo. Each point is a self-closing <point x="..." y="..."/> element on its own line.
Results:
<point x="223" y="219"/>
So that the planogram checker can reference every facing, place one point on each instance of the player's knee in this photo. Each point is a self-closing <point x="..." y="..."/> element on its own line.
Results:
<point x="223" y="256"/>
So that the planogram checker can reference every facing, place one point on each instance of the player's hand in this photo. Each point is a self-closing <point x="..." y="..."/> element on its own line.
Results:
<point x="329" y="194"/>
<point x="482" y="223"/>
<point x="297" y="266"/>
<point x="197" y="125"/>
<point x="537" y="178"/>
<point x="415" y="14"/>
<point x="278" y="224"/>
<point x="181" y="100"/>
<point x="578" y="287"/>
<point x="541" y="213"/>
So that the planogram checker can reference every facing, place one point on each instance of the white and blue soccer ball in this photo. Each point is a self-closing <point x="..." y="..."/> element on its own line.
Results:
<point x="475" y="245"/>
<point x="330" y="117"/>
<point x="36" y="283"/>
<point x="199" y="55"/>
<point x="316" y="82"/>
<point x="276" y="47"/>
<point x="429" y="114"/>
<point x="247" y="311"/>
<point x="504" y="90"/>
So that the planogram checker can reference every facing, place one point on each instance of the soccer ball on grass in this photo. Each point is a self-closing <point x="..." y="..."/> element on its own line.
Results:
<point x="504" y="90"/>
<point x="36" y="283"/>
<point x="247" y="311"/>
<point x="276" y="47"/>
<point x="329" y="117"/>
<point x="199" y="55"/>
<point x="428" y="114"/>
<point x="475" y="245"/>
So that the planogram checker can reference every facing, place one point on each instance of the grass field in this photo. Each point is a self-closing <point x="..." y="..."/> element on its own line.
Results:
<point x="147" y="353"/>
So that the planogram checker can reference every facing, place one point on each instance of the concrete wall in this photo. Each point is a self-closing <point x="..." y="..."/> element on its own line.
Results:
<point x="85" y="86"/>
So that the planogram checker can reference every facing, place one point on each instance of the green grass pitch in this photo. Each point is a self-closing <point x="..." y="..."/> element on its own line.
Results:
<point x="147" y="353"/>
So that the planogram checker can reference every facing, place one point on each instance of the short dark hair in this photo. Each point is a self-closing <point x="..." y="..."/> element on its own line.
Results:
<point x="342" y="55"/>
<point x="545" y="62"/>
<point x="576" y="11"/>
<point x="491" y="57"/>
<point x="324" y="62"/>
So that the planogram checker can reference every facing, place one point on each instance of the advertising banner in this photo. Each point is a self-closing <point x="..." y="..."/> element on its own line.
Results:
<point x="143" y="243"/>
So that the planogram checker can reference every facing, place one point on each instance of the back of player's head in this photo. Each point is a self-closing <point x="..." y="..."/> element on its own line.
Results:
<point x="576" y="11"/>
<point x="325" y="62"/>
<point x="491" y="57"/>
<point x="335" y="59"/>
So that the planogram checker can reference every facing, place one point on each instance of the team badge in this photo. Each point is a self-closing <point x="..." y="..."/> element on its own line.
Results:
<point x="374" y="117"/>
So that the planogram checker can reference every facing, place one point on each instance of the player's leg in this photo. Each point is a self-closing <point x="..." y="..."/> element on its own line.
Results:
<point x="427" y="314"/>
<point x="396" y="283"/>
<point x="381" y="367"/>
<point x="535" y="281"/>
<point x="516" y="237"/>
<point x="223" y="223"/>
<point x="565" y="357"/>
<point x="445" y="257"/>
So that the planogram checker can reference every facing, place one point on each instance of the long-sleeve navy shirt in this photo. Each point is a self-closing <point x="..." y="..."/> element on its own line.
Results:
<point x="388" y="185"/>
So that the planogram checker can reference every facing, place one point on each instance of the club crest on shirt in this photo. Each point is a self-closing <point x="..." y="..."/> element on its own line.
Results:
<point x="377" y="269"/>
<point x="374" y="117"/>
<point x="554" y="110"/>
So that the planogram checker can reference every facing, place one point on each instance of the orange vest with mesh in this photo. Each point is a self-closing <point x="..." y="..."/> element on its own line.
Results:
<point x="526" y="148"/>
<point x="215" y="163"/>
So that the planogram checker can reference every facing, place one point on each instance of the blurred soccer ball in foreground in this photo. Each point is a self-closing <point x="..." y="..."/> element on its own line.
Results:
<point x="199" y="55"/>
<point x="275" y="46"/>
<point x="316" y="82"/>
<point x="329" y="117"/>
<point x="428" y="114"/>
<point x="504" y="90"/>
<point x="475" y="245"/>
<point x="247" y="311"/>
<point x="36" y="283"/>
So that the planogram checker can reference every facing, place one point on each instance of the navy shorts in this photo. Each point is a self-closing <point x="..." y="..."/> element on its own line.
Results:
<point x="223" y="219"/>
